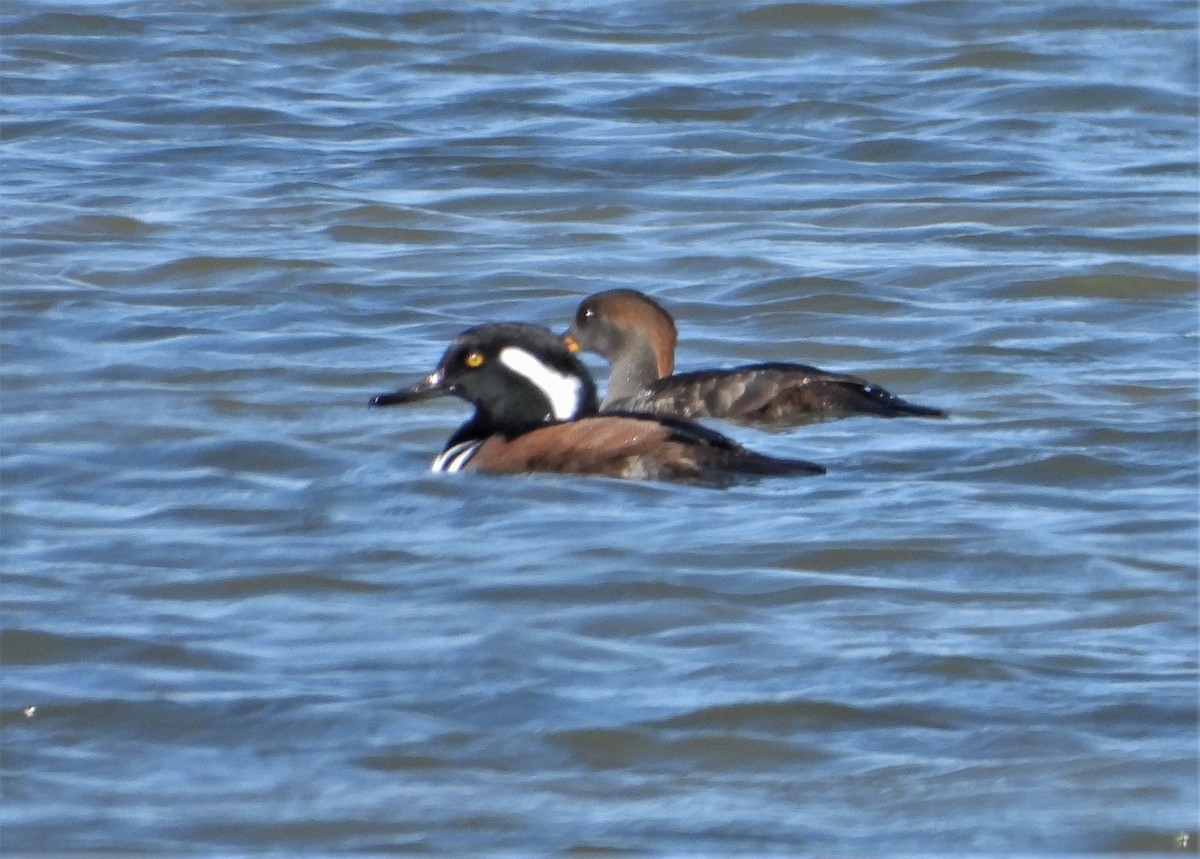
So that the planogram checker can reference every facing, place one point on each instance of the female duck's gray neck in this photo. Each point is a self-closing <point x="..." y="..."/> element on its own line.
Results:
<point x="631" y="374"/>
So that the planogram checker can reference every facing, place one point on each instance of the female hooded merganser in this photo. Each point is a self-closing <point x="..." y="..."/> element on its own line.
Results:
<point x="637" y="337"/>
<point x="535" y="410"/>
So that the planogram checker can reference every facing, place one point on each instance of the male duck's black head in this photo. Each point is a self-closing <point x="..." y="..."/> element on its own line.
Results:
<point x="518" y="377"/>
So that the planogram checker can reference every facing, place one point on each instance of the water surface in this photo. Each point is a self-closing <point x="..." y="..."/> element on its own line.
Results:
<point x="240" y="615"/>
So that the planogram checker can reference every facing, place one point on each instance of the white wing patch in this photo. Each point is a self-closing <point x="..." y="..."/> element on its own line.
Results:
<point x="455" y="458"/>
<point x="563" y="390"/>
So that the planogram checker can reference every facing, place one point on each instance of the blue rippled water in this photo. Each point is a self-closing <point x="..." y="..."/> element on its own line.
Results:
<point x="241" y="616"/>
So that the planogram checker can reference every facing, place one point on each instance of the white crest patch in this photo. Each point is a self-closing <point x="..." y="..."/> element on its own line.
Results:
<point x="455" y="458"/>
<point x="563" y="390"/>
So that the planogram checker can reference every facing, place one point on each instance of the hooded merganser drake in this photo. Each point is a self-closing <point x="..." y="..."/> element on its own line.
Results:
<point x="637" y="337"/>
<point x="536" y="410"/>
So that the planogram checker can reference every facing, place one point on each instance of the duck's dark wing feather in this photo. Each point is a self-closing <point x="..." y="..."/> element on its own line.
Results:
<point x="775" y="394"/>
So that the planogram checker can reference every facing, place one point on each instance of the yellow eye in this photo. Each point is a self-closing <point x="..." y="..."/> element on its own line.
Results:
<point x="474" y="359"/>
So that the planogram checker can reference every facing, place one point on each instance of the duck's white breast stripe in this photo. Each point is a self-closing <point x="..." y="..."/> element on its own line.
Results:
<point x="455" y="458"/>
<point x="563" y="390"/>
